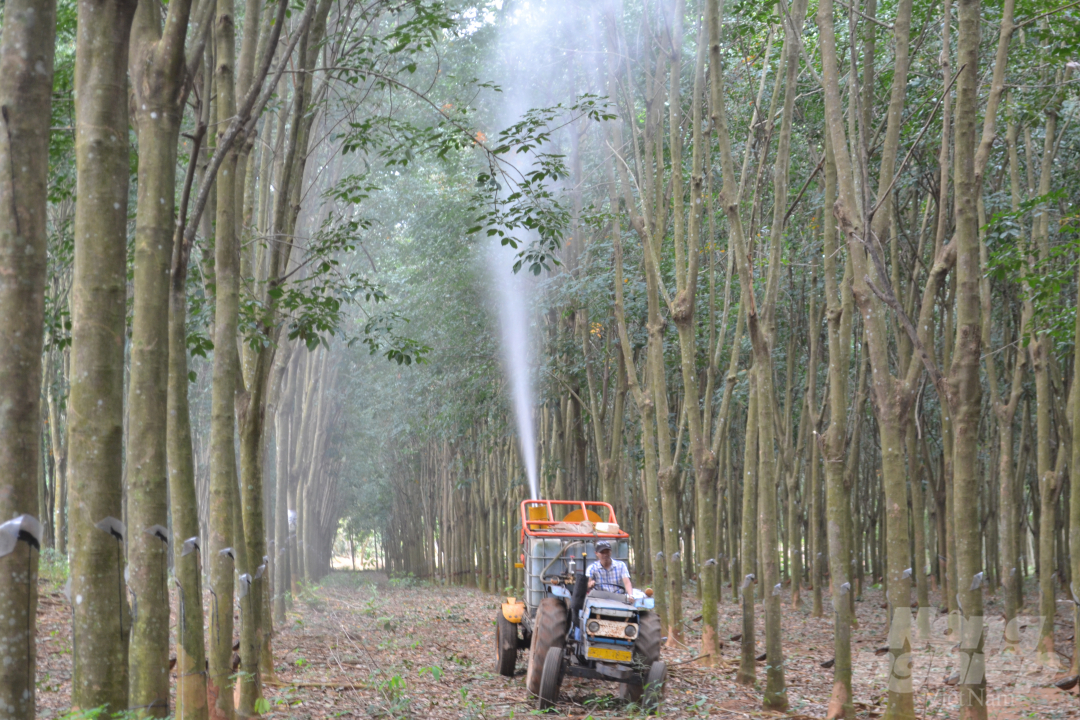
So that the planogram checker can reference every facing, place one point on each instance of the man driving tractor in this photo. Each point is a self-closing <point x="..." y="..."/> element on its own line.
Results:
<point x="610" y="576"/>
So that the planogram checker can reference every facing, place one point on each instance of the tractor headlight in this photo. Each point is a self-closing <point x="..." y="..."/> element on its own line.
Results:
<point x="593" y="626"/>
<point x="631" y="631"/>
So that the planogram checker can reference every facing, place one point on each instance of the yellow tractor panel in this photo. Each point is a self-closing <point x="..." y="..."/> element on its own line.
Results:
<point x="513" y="610"/>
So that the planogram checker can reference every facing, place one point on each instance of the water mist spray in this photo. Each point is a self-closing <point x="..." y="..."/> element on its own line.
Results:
<point x="510" y="299"/>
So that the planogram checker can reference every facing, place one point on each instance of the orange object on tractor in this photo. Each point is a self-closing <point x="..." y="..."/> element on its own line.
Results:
<point x="538" y="519"/>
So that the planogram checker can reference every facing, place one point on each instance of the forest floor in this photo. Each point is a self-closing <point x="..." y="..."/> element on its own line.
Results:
<point x="362" y="646"/>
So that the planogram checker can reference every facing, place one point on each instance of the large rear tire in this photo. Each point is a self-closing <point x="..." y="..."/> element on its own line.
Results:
<point x="549" y="631"/>
<point x="551" y="679"/>
<point x="647" y="644"/>
<point x="506" y="638"/>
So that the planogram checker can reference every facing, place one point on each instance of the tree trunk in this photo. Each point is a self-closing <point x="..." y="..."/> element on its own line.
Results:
<point x="25" y="111"/>
<point x="191" y="701"/>
<point x="96" y="402"/>
<point x="818" y="559"/>
<point x="965" y="387"/>
<point x="747" y="674"/>
<point x="58" y="442"/>
<point x="223" y="419"/>
<point x="157" y="72"/>
<point x="683" y="313"/>
<point x="1044" y="400"/>
<point x="840" y="312"/>
<point x="1074" y="504"/>
<point x="283" y="419"/>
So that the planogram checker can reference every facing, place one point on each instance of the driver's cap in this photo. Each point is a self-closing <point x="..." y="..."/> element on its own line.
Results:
<point x="603" y="545"/>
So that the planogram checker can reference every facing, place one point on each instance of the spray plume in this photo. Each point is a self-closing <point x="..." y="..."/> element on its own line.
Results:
<point x="510" y="296"/>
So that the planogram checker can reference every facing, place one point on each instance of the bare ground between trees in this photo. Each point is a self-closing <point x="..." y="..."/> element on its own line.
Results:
<point x="362" y="646"/>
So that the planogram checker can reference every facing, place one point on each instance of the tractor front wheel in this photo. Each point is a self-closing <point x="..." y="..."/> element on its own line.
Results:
<point x="654" y="687"/>
<point x="506" y="642"/>
<point x="551" y="679"/>
<point x="549" y="631"/>
<point x="648" y="696"/>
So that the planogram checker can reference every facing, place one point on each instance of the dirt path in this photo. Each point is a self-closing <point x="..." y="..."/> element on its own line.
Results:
<point x="363" y="647"/>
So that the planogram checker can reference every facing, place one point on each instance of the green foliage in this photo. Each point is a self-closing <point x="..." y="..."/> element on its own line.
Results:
<point x="62" y="138"/>
<point x="532" y="208"/>
<point x="394" y="701"/>
<point x="1047" y="278"/>
<point x="435" y="672"/>
<point x="404" y="581"/>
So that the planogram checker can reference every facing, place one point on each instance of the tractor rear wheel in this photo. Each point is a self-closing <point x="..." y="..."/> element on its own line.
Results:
<point x="506" y="640"/>
<point x="549" y="631"/>
<point x="647" y="644"/>
<point x="551" y="679"/>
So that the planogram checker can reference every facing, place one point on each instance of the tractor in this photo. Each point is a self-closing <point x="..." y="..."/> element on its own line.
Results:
<point x="569" y="630"/>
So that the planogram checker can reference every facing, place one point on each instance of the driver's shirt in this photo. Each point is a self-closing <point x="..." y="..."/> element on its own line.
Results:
<point x="609" y="579"/>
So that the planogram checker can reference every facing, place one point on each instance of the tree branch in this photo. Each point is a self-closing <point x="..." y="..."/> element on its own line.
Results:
<point x="248" y="110"/>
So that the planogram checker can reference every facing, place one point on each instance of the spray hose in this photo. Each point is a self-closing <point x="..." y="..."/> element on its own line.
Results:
<point x="559" y="556"/>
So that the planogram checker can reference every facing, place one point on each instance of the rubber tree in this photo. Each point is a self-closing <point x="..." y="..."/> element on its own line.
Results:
<point x="893" y="396"/>
<point x="965" y="383"/>
<point x="191" y="700"/>
<point x="1006" y="412"/>
<point x="1004" y="408"/>
<point x="96" y="400"/>
<point x="840" y="313"/>
<point x="1074" y="505"/>
<point x="687" y="242"/>
<point x="748" y="551"/>
<point x="818" y="559"/>
<point x="26" y="79"/>
<point x="651" y="214"/>
<point x="760" y="322"/>
<point x="255" y="636"/>
<point x="251" y="602"/>
<point x="284" y="420"/>
<point x="643" y="399"/>
<point x="1040" y="346"/>
<point x="158" y="74"/>
<point x="652" y="229"/>
<point x="223" y="458"/>
<point x="223" y="476"/>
